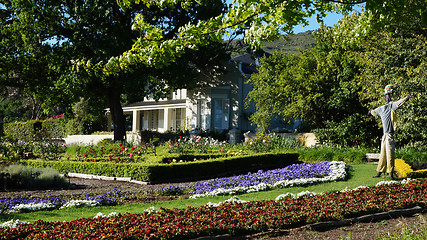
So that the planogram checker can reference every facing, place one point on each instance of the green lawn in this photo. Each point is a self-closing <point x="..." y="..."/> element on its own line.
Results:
<point x="359" y="174"/>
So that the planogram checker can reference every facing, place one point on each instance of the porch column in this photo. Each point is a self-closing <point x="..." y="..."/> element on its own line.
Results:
<point x="136" y="118"/>
<point x="166" y="119"/>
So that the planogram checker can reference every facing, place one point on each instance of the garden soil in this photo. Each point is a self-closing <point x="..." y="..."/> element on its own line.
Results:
<point x="370" y="230"/>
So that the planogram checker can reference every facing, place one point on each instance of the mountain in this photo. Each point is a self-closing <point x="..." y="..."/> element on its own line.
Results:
<point x="293" y="45"/>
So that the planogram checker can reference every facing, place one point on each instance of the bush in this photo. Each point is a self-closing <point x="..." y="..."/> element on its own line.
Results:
<point x="271" y="142"/>
<point x="412" y="154"/>
<point x="353" y="131"/>
<point x="320" y="154"/>
<point x="21" y="131"/>
<point x="20" y="176"/>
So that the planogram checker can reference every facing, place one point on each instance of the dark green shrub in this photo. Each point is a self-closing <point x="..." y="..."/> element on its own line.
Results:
<point x="21" y="131"/>
<point x="411" y="154"/>
<point x="321" y="154"/>
<point x="87" y="118"/>
<point x="55" y="128"/>
<point x="354" y="131"/>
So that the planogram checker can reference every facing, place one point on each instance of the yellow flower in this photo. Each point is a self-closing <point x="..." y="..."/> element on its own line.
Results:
<point x="406" y="170"/>
<point x="402" y="167"/>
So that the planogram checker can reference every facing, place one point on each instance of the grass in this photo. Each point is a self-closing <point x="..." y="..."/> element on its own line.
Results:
<point x="359" y="174"/>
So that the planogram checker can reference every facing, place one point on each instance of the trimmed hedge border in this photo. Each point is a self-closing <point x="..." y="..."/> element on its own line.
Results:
<point x="25" y="131"/>
<point x="172" y="172"/>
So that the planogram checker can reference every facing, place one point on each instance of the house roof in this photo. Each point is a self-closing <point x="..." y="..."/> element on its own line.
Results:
<point x="247" y="61"/>
<point x="153" y="103"/>
<point x="147" y="105"/>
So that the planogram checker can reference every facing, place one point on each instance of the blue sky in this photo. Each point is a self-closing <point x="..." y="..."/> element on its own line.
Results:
<point x="329" y="20"/>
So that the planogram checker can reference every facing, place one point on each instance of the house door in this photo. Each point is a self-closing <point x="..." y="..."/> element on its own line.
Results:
<point x="220" y="114"/>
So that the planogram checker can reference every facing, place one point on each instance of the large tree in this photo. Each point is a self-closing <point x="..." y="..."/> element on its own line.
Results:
<point x="61" y="50"/>
<point x="164" y="32"/>
<point x="257" y="20"/>
<point x="398" y="56"/>
<point x="335" y="83"/>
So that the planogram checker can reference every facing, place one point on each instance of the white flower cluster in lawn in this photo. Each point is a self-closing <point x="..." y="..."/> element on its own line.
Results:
<point x="110" y="215"/>
<point x="30" y="207"/>
<point x="338" y="172"/>
<point x="150" y="210"/>
<point x="80" y="203"/>
<point x="298" y="195"/>
<point x="387" y="183"/>
<point x="233" y="199"/>
<point x="404" y="181"/>
<point x="346" y="189"/>
<point x="12" y="223"/>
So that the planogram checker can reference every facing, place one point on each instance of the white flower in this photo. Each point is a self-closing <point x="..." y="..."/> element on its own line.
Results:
<point x="408" y="180"/>
<point x="101" y="215"/>
<point x="291" y="195"/>
<point x="233" y="199"/>
<point x="346" y="189"/>
<point x="80" y="203"/>
<point x="150" y="210"/>
<point x="12" y="223"/>
<point x="387" y="183"/>
<point x="30" y="207"/>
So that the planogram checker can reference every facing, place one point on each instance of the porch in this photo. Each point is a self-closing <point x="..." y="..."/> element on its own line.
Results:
<point x="159" y="116"/>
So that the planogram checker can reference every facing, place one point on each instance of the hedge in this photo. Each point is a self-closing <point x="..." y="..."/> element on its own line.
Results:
<point x="27" y="131"/>
<point x="161" y="172"/>
<point x="21" y="131"/>
<point x="321" y="154"/>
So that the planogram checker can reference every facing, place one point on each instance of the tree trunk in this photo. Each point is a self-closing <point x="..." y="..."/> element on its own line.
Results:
<point x="116" y="111"/>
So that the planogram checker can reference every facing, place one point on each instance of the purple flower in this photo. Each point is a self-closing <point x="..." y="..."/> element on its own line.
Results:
<point x="295" y="171"/>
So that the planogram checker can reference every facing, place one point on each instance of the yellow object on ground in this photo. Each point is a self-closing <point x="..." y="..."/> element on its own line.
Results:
<point x="406" y="170"/>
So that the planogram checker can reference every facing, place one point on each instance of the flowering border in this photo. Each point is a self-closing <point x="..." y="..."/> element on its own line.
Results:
<point x="235" y="218"/>
<point x="338" y="172"/>
<point x="406" y="170"/>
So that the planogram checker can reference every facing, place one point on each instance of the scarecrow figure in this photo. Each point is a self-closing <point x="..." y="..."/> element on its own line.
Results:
<point x="389" y="120"/>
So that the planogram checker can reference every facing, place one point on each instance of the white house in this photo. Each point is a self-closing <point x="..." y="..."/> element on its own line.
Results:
<point x="220" y="107"/>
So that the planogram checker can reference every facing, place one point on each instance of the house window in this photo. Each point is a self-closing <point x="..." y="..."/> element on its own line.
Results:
<point x="201" y="117"/>
<point x="179" y="119"/>
<point x="220" y="113"/>
<point x="154" y="119"/>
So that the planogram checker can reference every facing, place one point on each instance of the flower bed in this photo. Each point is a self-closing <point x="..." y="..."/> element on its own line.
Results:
<point x="112" y="153"/>
<point x="230" y="217"/>
<point x="293" y="175"/>
<point x="406" y="170"/>
<point x="29" y="204"/>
